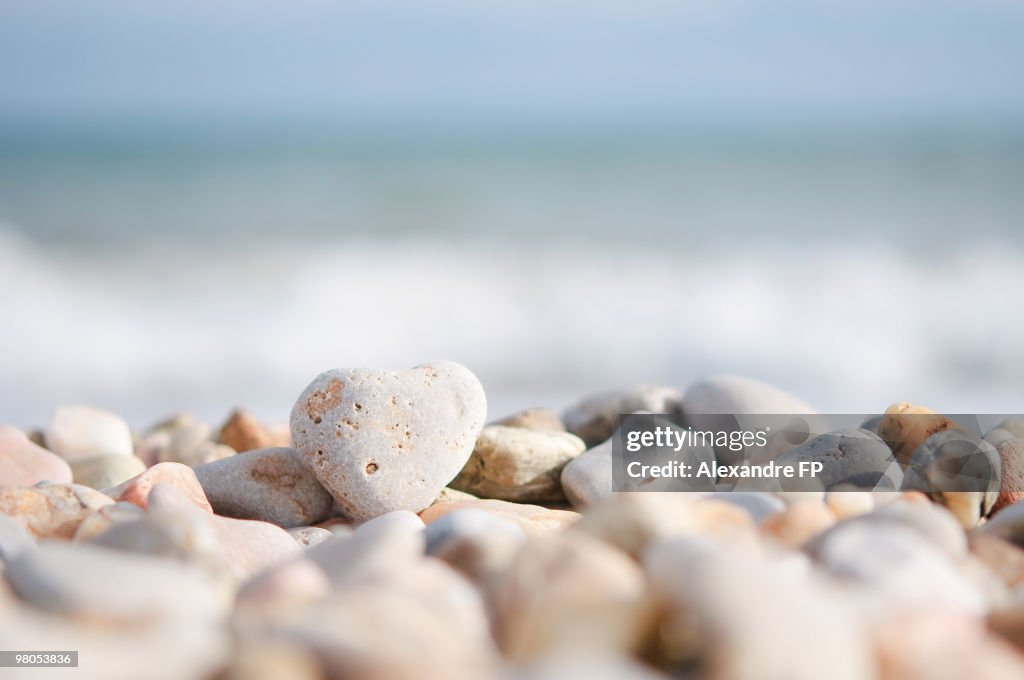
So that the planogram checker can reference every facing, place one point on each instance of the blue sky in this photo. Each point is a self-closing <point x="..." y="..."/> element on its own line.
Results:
<point x="560" y="63"/>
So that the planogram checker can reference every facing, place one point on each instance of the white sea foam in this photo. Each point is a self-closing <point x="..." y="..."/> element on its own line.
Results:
<point x="850" y="329"/>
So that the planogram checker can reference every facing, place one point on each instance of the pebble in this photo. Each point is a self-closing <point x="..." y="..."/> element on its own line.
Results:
<point x="104" y="517"/>
<point x="1011" y="428"/>
<point x="587" y="479"/>
<point x="946" y="646"/>
<point x="243" y="431"/>
<point x="272" y="660"/>
<point x="106" y="471"/>
<point x="904" y="427"/>
<point x="798" y="523"/>
<point x="853" y="458"/>
<point x="14" y="540"/>
<point x="1008" y="523"/>
<point x="50" y="511"/>
<point x="271" y="485"/>
<point x="846" y="503"/>
<point x="894" y="567"/>
<point x="729" y="394"/>
<point x="595" y="418"/>
<point x="632" y="521"/>
<point x="516" y="464"/>
<point x="98" y="584"/>
<point x="384" y="440"/>
<point x="427" y="622"/>
<point x="299" y="580"/>
<point x="533" y="519"/>
<point x="475" y="542"/>
<point x="739" y="614"/>
<point x="1011" y="472"/>
<point x="540" y="419"/>
<point x="307" y="537"/>
<point x="959" y="470"/>
<point x="1003" y="557"/>
<point x="76" y="432"/>
<point x="450" y="495"/>
<point x="706" y="402"/>
<point x="591" y="667"/>
<point x="759" y="504"/>
<point x="393" y="541"/>
<point x="191" y="444"/>
<point x="570" y="593"/>
<point x="136" y="490"/>
<point x="23" y="463"/>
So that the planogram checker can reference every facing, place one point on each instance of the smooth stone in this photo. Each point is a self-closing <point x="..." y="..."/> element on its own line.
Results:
<point x="595" y="418"/>
<point x="846" y="503"/>
<point x="23" y="463"/>
<point x="270" y="485"/>
<point x="106" y="471"/>
<point x="263" y="659"/>
<point x="587" y="479"/>
<point x="246" y="546"/>
<point x="932" y="521"/>
<point x="1008" y="523"/>
<point x="730" y="394"/>
<point x="76" y="432"/>
<point x="102" y="518"/>
<point x="94" y="583"/>
<point x="570" y="593"/>
<point x="925" y="644"/>
<point x="450" y="495"/>
<point x="740" y="614"/>
<point x="958" y="470"/>
<point x="51" y="510"/>
<point x="427" y="622"/>
<point x="476" y="543"/>
<point x="299" y="580"/>
<point x="383" y="440"/>
<point x="1002" y="557"/>
<point x="1011" y="428"/>
<point x="537" y="418"/>
<point x="798" y="523"/>
<point x="516" y="464"/>
<point x="307" y="537"/>
<point x="14" y="540"/>
<point x="243" y="431"/>
<point x="632" y="521"/>
<point x="118" y="651"/>
<point x="852" y="457"/>
<point x="168" y="531"/>
<point x="904" y="427"/>
<point x="393" y="541"/>
<point x="137" y="489"/>
<point x="591" y="667"/>
<point x="191" y="444"/>
<point x="533" y="519"/>
<point x="893" y="566"/>
<point x="1011" y="472"/>
<point x="761" y="405"/>
<point x="759" y="504"/>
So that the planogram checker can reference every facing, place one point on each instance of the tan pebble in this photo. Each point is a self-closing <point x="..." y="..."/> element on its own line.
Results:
<point x="905" y="426"/>
<point x="23" y="463"/>
<point x="263" y="659"/>
<point x="53" y="510"/>
<point x="101" y="519"/>
<point x="1011" y="486"/>
<point x="533" y="519"/>
<point x="543" y="419"/>
<point x="798" y="523"/>
<point x="244" y="432"/>
<point x="846" y="504"/>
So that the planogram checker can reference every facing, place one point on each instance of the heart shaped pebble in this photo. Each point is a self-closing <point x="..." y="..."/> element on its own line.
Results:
<point x="382" y="440"/>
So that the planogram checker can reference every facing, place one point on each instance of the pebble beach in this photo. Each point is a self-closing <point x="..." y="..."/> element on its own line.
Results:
<point x="390" y="527"/>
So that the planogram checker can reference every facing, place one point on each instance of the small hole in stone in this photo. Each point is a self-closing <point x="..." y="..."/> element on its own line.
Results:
<point x="371" y="467"/>
<point x="317" y="420"/>
<point x="359" y="407"/>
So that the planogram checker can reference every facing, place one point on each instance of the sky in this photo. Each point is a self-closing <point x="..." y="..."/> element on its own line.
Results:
<point x="558" y="63"/>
